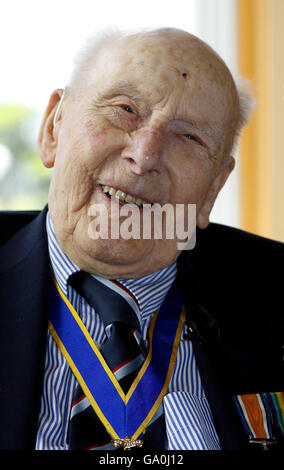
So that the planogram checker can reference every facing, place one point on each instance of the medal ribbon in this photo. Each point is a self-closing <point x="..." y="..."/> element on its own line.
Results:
<point x="261" y="413"/>
<point x="276" y="404"/>
<point x="122" y="415"/>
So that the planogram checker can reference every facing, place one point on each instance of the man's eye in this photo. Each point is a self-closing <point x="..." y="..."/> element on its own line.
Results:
<point x="127" y="108"/>
<point x="191" y="137"/>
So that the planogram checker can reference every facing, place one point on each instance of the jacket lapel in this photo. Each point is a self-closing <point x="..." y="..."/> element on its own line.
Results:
<point x="24" y="280"/>
<point x="227" y="422"/>
<point x="204" y="334"/>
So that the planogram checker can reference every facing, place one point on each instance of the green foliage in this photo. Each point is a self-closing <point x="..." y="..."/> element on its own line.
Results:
<point x="25" y="184"/>
<point x="13" y="114"/>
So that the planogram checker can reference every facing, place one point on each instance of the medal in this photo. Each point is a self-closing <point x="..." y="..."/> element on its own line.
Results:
<point x="127" y="443"/>
<point x="262" y="417"/>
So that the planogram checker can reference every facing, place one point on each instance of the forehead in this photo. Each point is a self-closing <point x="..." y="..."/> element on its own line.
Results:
<point x="167" y="66"/>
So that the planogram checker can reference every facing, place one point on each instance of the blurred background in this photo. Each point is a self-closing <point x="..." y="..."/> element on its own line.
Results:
<point x="38" y="40"/>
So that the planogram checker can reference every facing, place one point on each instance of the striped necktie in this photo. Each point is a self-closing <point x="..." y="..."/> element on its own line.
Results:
<point x="124" y="352"/>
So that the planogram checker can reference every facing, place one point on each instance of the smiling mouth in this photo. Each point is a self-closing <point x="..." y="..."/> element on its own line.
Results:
<point x="124" y="197"/>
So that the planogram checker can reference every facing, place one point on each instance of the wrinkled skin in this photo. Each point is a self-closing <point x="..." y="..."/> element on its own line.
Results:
<point x="155" y="117"/>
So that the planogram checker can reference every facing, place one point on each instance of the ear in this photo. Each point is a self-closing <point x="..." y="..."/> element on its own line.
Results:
<point x="47" y="140"/>
<point x="224" y="171"/>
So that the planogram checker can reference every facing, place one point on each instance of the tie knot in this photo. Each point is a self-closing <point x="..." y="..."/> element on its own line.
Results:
<point x="110" y="299"/>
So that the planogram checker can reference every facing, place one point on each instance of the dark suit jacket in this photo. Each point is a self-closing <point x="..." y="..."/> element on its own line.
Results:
<point x="232" y="287"/>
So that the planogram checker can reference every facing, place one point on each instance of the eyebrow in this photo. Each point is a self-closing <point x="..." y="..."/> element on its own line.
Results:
<point x="208" y="129"/>
<point x="121" y="88"/>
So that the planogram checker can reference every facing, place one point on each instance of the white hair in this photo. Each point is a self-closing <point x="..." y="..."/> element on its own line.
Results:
<point x="247" y="104"/>
<point x="84" y="60"/>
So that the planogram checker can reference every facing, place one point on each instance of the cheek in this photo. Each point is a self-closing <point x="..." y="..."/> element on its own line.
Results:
<point x="81" y="154"/>
<point x="101" y="141"/>
<point x="88" y="146"/>
<point x="192" y="181"/>
<point x="95" y="135"/>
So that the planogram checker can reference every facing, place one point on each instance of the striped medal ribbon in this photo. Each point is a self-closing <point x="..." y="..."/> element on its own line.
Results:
<point x="124" y="416"/>
<point x="262" y="415"/>
<point x="275" y="401"/>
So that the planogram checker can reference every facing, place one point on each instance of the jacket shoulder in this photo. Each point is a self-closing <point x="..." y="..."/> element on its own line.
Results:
<point x="219" y="237"/>
<point x="13" y="221"/>
<point x="234" y="256"/>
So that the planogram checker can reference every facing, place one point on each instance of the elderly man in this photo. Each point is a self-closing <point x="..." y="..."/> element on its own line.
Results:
<point x="115" y="341"/>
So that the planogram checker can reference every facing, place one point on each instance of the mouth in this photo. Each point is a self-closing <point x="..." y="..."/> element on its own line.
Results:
<point x="124" y="197"/>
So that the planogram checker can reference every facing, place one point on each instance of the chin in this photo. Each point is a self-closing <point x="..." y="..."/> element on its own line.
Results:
<point x="124" y="258"/>
<point x="121" y="253"/>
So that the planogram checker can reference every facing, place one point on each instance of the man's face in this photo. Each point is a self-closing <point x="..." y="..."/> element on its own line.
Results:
<point x="153" y="120"/>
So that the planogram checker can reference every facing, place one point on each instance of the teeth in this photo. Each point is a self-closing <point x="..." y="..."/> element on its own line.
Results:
<point x="129" y="199"/>
<point x="122" y="196"/>
<point x="112" y="191"/>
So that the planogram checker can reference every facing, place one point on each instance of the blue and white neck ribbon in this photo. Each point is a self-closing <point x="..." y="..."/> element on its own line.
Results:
<point x="125" y="416"/>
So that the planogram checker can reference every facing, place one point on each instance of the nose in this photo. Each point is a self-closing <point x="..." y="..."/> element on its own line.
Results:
<point x="144" y="154"/>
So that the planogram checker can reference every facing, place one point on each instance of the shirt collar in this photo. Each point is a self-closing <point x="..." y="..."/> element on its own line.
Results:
<point x="149" y="291"/>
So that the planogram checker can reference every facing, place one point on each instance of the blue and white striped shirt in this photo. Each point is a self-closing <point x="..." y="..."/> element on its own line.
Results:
<point x="188" y="418"/>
